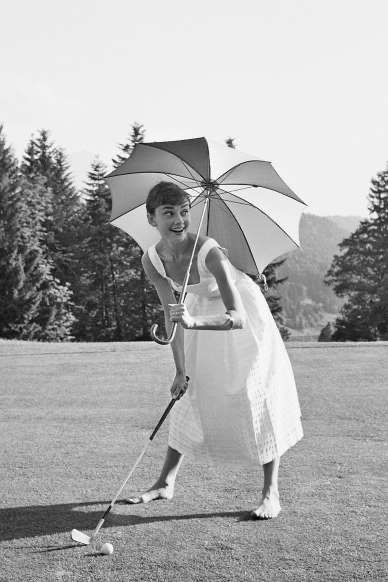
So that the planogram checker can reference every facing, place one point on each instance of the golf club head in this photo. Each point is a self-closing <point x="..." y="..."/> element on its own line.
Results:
<point x="80" y="537"/>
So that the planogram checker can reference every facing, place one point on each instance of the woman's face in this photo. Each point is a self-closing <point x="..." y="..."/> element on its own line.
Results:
<point x="172" y="221"/>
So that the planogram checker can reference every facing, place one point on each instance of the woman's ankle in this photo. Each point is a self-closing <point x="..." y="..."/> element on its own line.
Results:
<point x="270" y="490"/>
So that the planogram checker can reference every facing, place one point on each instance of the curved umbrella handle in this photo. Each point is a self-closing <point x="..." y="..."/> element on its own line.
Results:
<point x="159" y="340"/>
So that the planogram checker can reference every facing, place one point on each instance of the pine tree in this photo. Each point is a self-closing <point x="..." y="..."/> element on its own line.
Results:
<point x="115" y="303"/>
<point x="359" y="272"/>
<point x="269" y="285"/>
<point x="143" y="296"/>
<point x="44" y="161"/>
<point x="326" y="333"/>
<point x="136" y="135"/>
<point x="33" y="303"/>
<point x="9" y="183"/>
<point x="98" y="315"/>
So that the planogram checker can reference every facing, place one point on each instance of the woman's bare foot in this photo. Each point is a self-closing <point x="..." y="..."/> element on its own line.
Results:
<point x="164" y="486"/>
<point x="269" y="506"/>
<point x="156" y="493"/>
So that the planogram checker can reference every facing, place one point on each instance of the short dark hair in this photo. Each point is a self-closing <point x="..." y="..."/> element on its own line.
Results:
<point x="165" y="193"/>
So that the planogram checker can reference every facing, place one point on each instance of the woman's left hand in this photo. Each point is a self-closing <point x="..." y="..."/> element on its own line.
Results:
<point x="180" y="314"/>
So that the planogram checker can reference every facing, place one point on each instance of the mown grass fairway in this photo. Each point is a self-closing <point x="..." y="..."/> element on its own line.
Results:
<point x="74" y="418"/>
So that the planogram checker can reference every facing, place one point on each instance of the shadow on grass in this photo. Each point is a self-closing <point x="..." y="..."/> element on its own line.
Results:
<point x="42" y="520"/>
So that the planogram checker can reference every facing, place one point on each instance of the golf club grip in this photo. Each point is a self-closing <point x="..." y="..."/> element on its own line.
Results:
<point x="162" y="419"/>
<point x="164" y="415"/>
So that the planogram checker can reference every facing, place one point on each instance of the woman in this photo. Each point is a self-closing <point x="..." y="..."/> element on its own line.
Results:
<point x="241" y="404"/>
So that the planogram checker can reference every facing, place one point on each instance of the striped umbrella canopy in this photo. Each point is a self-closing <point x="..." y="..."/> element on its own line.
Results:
<point x="250" y="210"/>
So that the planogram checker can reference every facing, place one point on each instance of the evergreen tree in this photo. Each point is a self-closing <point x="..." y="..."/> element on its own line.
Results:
<point x="115" y="300"/>
<point x="359" y="273"/>
<point x="98" y="316"/>
<point x="136" y="135"/>
<point x="326" y="333"/>
<point x="269" y="285"/>
<point x="44" y="161"/>
<point x="33" y="303"/>
<point x="9" y="183"/>
<point x="143" y="297"/>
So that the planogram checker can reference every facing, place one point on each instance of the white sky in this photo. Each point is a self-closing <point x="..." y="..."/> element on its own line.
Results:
<point x="302" y="83"/>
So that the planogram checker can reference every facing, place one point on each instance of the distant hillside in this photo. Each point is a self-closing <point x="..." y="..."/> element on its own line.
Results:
<point x="307" y="302"/>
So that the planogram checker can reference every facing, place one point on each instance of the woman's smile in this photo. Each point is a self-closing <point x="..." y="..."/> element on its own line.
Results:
<point x="178" y="229"/>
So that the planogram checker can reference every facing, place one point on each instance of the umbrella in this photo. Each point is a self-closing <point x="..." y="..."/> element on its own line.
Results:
<point x="236" y="198"/>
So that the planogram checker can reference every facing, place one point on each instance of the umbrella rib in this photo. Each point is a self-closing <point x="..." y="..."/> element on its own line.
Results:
<point x="217" y="198"/>
<point x="232" y="201"/>
<point x="189" y="170"/>
<point x="228" y="211"/>
<point x="146" y="172"/>
<point x="297" y="199"/>
<point x="196" y="202"/>
<point x="172" y="177"/>
<point x="294" y="197"/>
<point x="267" y="215"/>
<point x="243" y="202"/>
<point x="238" y="189"/>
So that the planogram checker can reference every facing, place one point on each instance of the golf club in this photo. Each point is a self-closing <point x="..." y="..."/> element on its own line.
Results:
<point x="82" y="538"/>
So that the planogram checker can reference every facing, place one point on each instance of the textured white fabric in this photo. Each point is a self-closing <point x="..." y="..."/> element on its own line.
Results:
<point x="242" y="403"/>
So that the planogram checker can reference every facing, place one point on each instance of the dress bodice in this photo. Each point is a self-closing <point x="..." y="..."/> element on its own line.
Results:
<point x="207" y="283"/>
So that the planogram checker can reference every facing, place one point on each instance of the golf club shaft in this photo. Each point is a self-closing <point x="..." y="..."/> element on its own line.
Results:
<point x="137" y="462"/>
<point x="101" y="522"/>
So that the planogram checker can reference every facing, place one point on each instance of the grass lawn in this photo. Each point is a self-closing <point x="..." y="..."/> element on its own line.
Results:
<point x="74" y="417"/>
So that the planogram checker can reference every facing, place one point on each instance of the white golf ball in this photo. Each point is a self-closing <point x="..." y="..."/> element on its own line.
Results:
<point x="107" y="549"/>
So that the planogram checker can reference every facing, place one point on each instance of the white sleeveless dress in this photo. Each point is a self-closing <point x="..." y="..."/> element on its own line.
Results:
<point x="242" y="404"/>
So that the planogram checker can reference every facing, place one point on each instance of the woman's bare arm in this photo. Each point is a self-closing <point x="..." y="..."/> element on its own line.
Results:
<point x="166" y="297"/>
<point x="234" y="316"/>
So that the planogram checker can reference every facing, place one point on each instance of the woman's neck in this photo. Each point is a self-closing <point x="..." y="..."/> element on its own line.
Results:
<point x="174" y="250"/>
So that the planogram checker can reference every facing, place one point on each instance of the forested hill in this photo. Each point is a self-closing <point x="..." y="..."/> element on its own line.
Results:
<point x="307" y="302"/>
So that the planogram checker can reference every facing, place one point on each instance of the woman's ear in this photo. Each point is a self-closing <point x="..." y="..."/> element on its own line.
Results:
<point x="151" y="219"/>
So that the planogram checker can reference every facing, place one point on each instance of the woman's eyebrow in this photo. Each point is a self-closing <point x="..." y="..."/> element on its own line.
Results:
<point x="169" y="206"/>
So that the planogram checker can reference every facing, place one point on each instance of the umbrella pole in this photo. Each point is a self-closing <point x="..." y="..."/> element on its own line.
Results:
<point x="182" y="295"/>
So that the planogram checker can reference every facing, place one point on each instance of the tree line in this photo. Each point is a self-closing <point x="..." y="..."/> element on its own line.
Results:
<point x="66" y="274"/>
<point x="359" y="273"/>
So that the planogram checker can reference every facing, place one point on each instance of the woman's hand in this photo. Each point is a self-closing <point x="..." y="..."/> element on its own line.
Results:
<point x="179" y="386"/>
<point x="179" y="314"/>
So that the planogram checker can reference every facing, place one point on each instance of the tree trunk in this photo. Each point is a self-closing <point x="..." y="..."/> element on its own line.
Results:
<point x="119" y="333"/>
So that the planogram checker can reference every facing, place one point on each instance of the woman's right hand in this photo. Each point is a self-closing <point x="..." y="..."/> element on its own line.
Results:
<point x="179" y="386"/>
